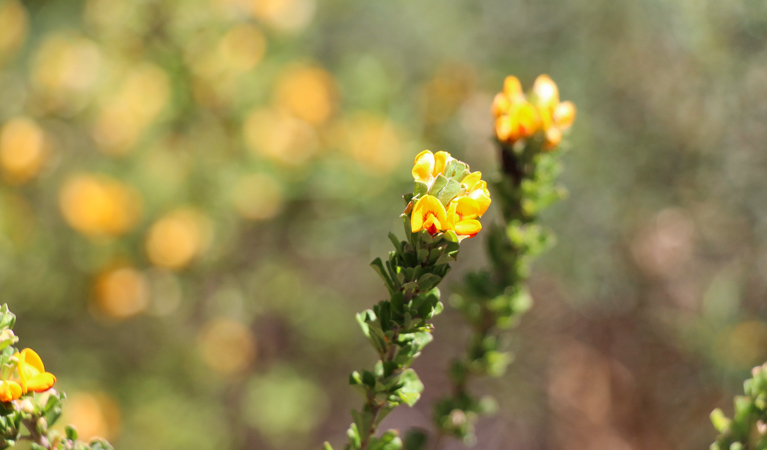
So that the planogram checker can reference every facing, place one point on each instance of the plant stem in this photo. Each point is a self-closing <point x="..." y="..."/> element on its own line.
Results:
<point x="34" y="436"/>
<point x="376" y="409"/>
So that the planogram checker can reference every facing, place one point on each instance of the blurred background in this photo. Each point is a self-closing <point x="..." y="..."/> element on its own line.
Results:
<point x="191" y="192"/>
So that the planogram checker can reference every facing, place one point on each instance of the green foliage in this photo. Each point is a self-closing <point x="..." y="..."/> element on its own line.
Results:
<point x="747" y="429"/>
<point x="399" y="328"/>
<point x="494" y="299"/>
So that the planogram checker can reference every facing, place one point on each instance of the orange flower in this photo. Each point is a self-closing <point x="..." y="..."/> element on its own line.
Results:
<point x="518" y="119"/>
<point x="32" y="374"/>
<point x="428" y="214"/>
<point x="9" y="390"/>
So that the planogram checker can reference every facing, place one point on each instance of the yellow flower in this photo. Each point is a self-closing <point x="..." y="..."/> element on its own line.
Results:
<point x="517" y="119"/>
<point x="564" y="115"/>
<point x="427" y="165"/>
<point x="547" y="95"/>
<point x="456" y="203"/>
<point x="462" y="217"/>
<point x="32" y="374"/>
<point x="512" y="88"/>
<point x="478" y="192"/>
<point x="521" y="122"/>
<point x="428" y="214"/>
<point x="9" y="390"/>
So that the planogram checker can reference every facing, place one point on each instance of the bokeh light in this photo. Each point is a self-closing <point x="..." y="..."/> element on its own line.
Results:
<point x="99" y="205"/>
<point x="95" y="414"/>
<point x="226" y="346"/>
<point x="177" y="238"/>
<point x="24" y="149"/>
<point x="121" y="292"/>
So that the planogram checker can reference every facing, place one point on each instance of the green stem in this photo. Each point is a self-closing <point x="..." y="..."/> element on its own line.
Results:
<point x="34" y="435"/>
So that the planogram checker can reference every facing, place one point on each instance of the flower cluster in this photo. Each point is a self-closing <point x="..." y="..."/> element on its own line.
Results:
<point x="28" y="375"/>
<point x="24" y="415"/>
<point x="518" y="117"/>
<point x="447" y="196"/>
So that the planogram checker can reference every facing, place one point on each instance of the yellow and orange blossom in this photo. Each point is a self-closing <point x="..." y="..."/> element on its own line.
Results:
<point x="517" y="118"/>
<point x="9" y="390"/>
<point x="32" y="374"/>
<point x="429" y="214"/>
<point x="461" y="212"/>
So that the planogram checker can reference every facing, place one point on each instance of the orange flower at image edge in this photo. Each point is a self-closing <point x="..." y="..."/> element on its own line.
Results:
<point x="32" y="374"/>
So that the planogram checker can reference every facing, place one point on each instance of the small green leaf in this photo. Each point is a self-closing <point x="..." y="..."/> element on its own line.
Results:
<point x="449" y="192"/>
<point x="439" y="183"/>
<point x="411" y="388"/>
<point x="388" y="441"/>
<point x="428" y="281"/>
<point x="420" y="189"/>
<point x="415" y="439"/>
<point x="71" y="432"/>
<point x="354" y="436"/>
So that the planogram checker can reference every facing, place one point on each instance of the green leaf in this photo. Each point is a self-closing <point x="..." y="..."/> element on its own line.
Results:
<point x="326" y="446"/>
<point x="363" y="420"/>
<point x="396" y="242"/>
<point x="420" y="189"/>
<point x="388" y="441"/>
<point x="7" y="318"/>
<point x="449" y="192"/>
<point x="415" y="439"/>
<point x="450" y="236"/>
<point x="428" y="281"/>
<point x="71" y="432"/>
<point x="355" y="381"/>
<point x="411" y="388"/>
<point x="439" y="183"/>
<point x="354" y="436"/>
<point x="378" y="266"/>
<point x="720" y="421"/>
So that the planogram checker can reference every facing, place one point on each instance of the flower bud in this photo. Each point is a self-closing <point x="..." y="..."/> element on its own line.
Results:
<point x="27" y="406"/>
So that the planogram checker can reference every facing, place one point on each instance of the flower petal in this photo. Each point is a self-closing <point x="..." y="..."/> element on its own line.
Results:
<point x="512" y="88"/>
<point x="546" y="91"/>
<point x="41" y="382"/>
<point x="564" y="115"/>
<point x="525" y="121"/>
<point x="468" y="227"/>
<point x="32" y="374"/>
<point x="32" y="361"/>
<point x="423" y="166"/>
<point x="471" y="179"/>
<point x="501" y="104"/>
<point x="440" y="161"/>
<point x="428" y="213"/>
<point x="503" y="128"/>
<point x="553" y="138"/>
<point x="482" y="196"/>
<point x="466" y="208"/>
<point x="9" y="390"/>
